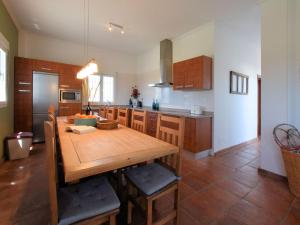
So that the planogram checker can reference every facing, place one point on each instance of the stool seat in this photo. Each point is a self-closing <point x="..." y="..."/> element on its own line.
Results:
<point x="85" y="200"/>
<point x="150" y="178"/>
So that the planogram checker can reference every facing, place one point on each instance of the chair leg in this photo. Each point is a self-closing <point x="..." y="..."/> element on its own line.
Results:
<point x="129" y="212"/>
<point x="112" y="219"/>
<point x="176" y="205"/>
<point x="149" y="212"/>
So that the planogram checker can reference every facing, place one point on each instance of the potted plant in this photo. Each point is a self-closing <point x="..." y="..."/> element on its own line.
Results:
<point x="135" y="95"/>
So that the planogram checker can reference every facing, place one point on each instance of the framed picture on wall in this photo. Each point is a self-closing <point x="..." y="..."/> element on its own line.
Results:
<point x="238" y="83"/>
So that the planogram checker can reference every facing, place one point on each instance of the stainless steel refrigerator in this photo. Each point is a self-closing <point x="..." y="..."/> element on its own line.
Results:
<point x="45" y="92"/>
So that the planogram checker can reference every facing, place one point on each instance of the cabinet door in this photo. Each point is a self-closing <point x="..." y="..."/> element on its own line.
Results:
<point x="189" y="135"/>
<point x="69" y="109"/>
<point x="67" y="77"/>
<point x="23" y="95"/>
<point x="45" y="66"/>
<point x="179" y="71"/>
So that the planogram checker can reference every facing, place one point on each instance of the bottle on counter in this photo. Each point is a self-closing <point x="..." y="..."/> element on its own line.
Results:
<point x="130" y="102"/>
<point x="153" y="105"/>
<point x="157" y="105"/>
<point x="88" y="110"/>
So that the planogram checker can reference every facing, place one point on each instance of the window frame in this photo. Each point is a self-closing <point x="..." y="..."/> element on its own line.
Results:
<point x="4" y="45"/>
<point x="101" y="89"/>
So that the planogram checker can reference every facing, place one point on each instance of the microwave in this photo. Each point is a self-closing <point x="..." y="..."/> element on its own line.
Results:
<point x="69" y="96"/>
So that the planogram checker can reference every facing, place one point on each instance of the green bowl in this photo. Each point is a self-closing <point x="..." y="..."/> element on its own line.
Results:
<point x="87" y="122"/>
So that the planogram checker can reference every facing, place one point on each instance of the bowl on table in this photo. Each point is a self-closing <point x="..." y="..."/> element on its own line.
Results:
<point x="107" y="124"/>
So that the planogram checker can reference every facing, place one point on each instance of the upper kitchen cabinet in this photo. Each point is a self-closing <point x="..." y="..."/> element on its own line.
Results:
<point x="45" y="66"/>
<point x="68" y="79"/>
<point x="195" y="73"/>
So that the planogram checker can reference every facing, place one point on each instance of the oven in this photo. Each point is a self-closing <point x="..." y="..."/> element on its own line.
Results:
<point x="69" y="96"/>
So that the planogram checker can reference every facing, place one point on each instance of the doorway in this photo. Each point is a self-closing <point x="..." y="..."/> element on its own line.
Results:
<point x="258" y="106"/>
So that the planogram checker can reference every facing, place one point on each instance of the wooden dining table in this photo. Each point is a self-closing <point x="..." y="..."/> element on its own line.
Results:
<point x="101" y="151"/>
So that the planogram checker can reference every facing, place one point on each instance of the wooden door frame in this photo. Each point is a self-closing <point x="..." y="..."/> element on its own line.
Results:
<point x="259" y="106"/>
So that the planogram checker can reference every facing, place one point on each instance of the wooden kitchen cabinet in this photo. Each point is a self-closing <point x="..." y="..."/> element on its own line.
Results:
<point x="195" y="73"/>
<point x="69" y="109"/>
<point x="198" y="134"/>
<point x="68" y="77"/>
<point x="23" y="94"/>
<point x="151" y="123"/>
<point x="23" y="70"/>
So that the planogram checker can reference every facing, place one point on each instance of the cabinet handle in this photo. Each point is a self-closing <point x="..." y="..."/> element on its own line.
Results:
<point x="64" y="86"/>
<point x="24" y="91"/>
<point x="24" y="83"/>
<point x="44" y="68"/>
<point x="189" y="85"/>
<point x="179" y="86"/>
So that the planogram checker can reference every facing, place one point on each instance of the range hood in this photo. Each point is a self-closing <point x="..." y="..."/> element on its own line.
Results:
<point x="166" y="64"/>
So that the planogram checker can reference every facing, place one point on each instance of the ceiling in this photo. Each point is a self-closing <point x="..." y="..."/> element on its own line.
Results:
<point x="146" y="21"/>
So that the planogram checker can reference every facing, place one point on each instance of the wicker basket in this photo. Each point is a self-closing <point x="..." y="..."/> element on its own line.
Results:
<point x="107" y="124"/>
<point x="292" y="166"/>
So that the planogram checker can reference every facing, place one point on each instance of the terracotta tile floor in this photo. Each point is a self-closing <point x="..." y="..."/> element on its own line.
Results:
<point x="221" y="190"/>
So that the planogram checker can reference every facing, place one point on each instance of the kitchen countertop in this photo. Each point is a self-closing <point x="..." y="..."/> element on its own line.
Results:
<point x="169" y="111"/>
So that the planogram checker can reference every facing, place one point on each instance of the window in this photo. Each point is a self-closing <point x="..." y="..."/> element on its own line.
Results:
<point x="3" y="71"/>
<point x="101" y="88"/>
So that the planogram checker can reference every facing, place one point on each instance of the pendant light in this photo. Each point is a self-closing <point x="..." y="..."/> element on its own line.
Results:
<point x="91" y="67"/>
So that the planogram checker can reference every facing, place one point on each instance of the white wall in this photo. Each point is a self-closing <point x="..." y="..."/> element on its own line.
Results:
<point x="36" y="46"/>
<point x="194" y="43"/>
<point x="237" y="48"/>
<point x="280" y="81"/>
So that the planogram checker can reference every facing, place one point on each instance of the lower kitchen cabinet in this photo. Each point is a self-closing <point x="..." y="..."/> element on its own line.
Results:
<point x="198" y="134"/>
<point x="69" y="109"/>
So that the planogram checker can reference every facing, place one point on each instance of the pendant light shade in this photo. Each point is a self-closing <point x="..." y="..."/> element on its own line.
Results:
<point x="89" y="69"/>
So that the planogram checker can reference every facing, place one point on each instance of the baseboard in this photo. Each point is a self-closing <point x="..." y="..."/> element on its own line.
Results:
<point x="272" y="175"/>
<point x="233" y="148"/>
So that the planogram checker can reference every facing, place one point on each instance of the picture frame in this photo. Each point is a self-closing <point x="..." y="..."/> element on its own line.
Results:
<point x="239" y="83"/>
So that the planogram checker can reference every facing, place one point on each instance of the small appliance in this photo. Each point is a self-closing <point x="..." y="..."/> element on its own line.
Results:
<point x="69" y="96"/>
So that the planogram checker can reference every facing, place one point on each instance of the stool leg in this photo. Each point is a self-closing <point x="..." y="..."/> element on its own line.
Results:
<point x="176" y="205"/>
<point x="149" y="212"/>
<point x="129" y="215"/>
<point x="112" y="220"/>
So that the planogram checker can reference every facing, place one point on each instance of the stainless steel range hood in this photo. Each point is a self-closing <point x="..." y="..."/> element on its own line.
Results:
<point x="166" y="64"/>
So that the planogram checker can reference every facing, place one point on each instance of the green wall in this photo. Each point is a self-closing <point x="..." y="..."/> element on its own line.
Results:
<point x="9" y="30"/>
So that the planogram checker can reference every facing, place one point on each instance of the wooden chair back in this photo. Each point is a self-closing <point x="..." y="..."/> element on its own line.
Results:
<point x="111" y="113"/>
<point x="49" y="140"/>
<point x="51" y="109"/>
<point x="171" y="129"/>
<point x="102" y="112"/>
<point x="138" y="120"/>
<point x="123" y="116"/>
<point x="51" y="118"/>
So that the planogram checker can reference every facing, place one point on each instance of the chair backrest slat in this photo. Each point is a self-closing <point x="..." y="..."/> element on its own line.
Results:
<point x="138" y="120"/>
<point x="171" y="129"/>
<point x="123" y="116"/>
<point x="49" y="140"/>
<point x="111" y="113"/>
<point x="102" y="112"/>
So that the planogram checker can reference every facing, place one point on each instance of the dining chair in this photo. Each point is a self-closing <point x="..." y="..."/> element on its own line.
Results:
<point x="111" y="113"/>
<point x="102" y="111"/>
<point x="51" y="109"/>
<point x="138" y="120"/>
<point x="90" y="202"/>
<point x="155" y="180"/>
<point x="123" y="116"/>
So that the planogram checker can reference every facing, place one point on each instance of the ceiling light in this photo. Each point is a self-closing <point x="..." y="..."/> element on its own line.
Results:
<point x="36" y="26"/>
<point x="114" y="25"/>
<point x="110" y="27"/>
<point x="91" y="67"/>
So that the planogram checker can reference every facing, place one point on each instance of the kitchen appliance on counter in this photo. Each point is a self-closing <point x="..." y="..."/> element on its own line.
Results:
<point x="45" y="92"/>
<point x="69" y="96"/>
<point x="197" y="109"/>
